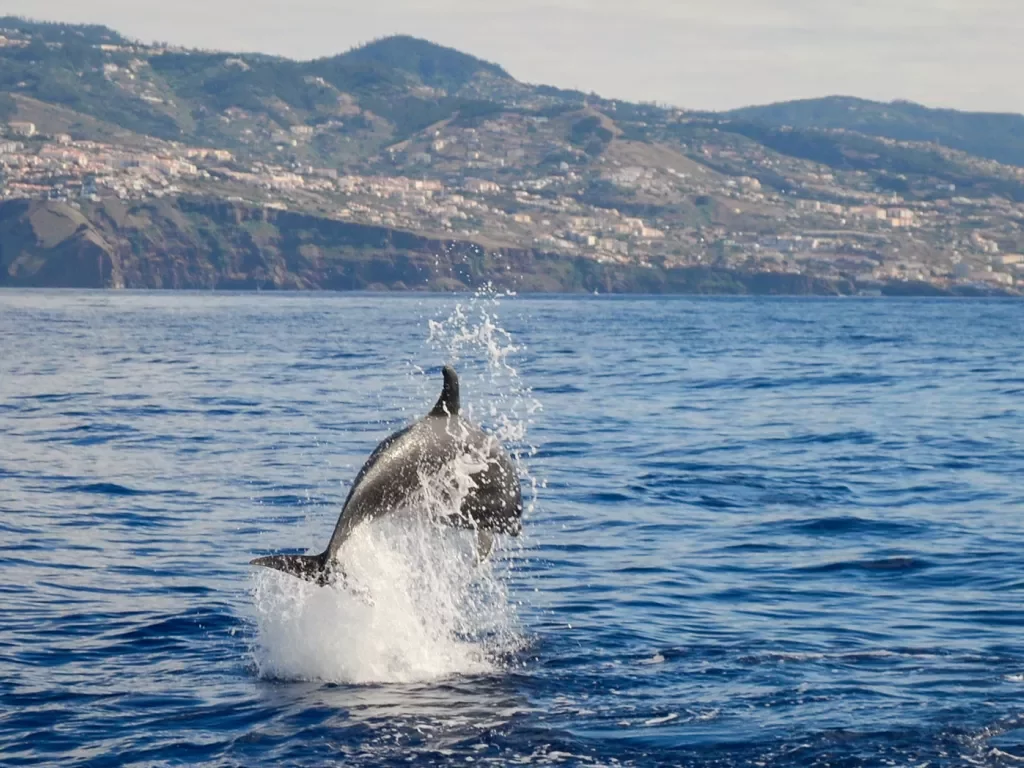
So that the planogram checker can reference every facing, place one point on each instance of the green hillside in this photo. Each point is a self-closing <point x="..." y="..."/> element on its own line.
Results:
<point x="429" y="63"/>
<point x="996" y="136"/>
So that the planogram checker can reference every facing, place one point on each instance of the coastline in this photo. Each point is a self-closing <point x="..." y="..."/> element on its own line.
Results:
<point x="209" y="244"/>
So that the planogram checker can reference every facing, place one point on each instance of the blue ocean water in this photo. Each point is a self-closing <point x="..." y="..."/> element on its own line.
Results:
<point x="765" y="532"/>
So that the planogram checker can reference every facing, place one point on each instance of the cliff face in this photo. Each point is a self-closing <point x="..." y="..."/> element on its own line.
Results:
<point x="46" y="245"/>
<point x="198" y="243"/>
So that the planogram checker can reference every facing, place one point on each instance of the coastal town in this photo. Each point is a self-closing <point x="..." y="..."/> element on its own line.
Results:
<point x="588" y="180"/>
<point x="876" y="238"/>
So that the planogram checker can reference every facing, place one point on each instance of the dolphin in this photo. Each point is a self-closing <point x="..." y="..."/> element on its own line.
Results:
<point x="397" y="470"/>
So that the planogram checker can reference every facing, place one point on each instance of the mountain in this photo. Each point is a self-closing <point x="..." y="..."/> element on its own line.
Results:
<point x="178" y="94"/>
<point x="383" y="92"/>
<point x="416" y="140"/>
<point x="431" y="64"/>
<point x="996" y="136"/>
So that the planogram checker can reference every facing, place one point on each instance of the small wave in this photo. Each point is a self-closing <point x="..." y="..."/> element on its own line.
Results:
<point x="55" y="397"/>
<point x="227" y="402"/>
<point x="782" y="657"/>
<point x="717" y="502"/>
<point x="167" y="631"/>
<point x="109" y="489"/>
<point x="999" y="754"/>
<point x="895" y="564"/>
<point x="560" y="389"/>
<point x="870" y="656"/>
<point x="607" y="497"/>
<point x="553" y="450"/>
<point x="856" y="437"/>
<point x="96" y="427"/>
<point x="851" y="524"/>
<point x="765" y="382"/>
<point x="876" y="339"/>
<point x="290" y="500"/>
<point x="663" y="719"/>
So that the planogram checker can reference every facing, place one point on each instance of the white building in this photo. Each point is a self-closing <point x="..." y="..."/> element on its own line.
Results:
<point x="481" y="186"/>
<point x="22" y="129"/>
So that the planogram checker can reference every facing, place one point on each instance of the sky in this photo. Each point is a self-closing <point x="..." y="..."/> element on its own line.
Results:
<point x="697" y="54"/>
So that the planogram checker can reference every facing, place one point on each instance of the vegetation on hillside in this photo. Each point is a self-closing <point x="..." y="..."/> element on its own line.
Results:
<point x="588" y="133"/>
<point x="858" y="152"/>
<point x="430" y="63"/>
<point x="411" y="83"/>
<point x="996" y="136"/>
<point x="57" y="32"/>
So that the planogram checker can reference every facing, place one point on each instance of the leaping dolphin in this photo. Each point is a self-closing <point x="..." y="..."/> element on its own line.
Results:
<point x="397" y="469"/>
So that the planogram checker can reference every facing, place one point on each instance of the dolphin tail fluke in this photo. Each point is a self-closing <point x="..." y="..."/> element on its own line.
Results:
<point x="309" y="567"/>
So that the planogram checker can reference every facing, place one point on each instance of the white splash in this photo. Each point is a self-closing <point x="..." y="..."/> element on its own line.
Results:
<point x="473" y="340"/>
<point x="413" y="604"/>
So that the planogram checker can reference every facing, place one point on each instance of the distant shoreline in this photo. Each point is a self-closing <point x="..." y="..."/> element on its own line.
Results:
<point x="203" y="244"/>
<point x="416" y="292"/>
<point x="405" y="165"/>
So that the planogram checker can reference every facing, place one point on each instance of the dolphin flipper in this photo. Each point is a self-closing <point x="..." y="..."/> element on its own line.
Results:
<point x="309" y="567"/>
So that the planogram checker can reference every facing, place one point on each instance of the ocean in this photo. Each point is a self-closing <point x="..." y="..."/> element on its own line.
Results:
<point x="759" y="532"/>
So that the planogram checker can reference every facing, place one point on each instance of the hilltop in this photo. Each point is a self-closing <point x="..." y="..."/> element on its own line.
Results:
<point x="421" y="140"/>
<point x="995" y="136"/>
<point x="431" y="64"/>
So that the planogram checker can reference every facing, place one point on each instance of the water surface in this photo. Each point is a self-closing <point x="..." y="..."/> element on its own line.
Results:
<point x="767" y="532"/>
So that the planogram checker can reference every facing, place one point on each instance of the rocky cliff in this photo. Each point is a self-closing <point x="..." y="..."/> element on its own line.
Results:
<point x="211" y="244"/>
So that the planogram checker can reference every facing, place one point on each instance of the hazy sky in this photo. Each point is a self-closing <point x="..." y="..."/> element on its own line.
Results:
<point x="695" y="53"/>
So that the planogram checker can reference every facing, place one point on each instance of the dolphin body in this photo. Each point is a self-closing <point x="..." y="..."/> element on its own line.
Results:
<point x="396" y="471"/>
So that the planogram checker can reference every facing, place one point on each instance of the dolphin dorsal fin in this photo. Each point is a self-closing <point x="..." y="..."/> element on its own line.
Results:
<point x="448" y="402"/>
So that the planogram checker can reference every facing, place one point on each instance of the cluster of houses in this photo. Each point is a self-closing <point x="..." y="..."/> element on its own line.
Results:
<point x="859" y="238"/>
